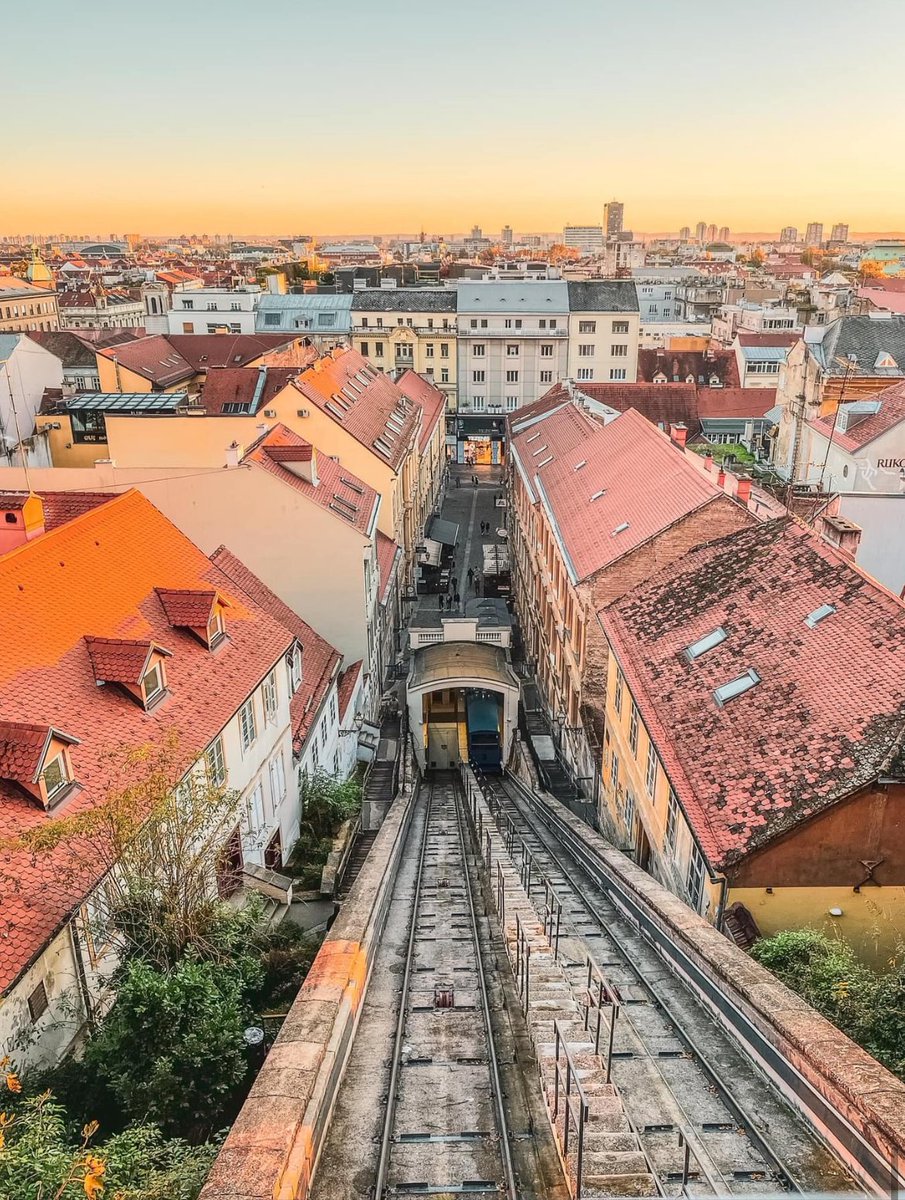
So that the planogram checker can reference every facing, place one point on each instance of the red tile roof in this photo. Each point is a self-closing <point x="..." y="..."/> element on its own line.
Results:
<point x="348" y="682"/>
<point x="429" y="398"/>
<point x="187" y="608"/>
<point x="683" y="363"/>
<point x="387" y="551"/>
<point x="714" y="403"/>
<point x="828" y="714"/>
<point x="59" y="507"/>
<point x="120" y="660"/>
<point x="175" y="358"/>
<point x="779" y="340"/>
<point x="22" y="749"/>
<point x="868" y="428"/>
<point x="97" y="575"/>
<point x="252" y="386"/>
<point x="284" y="454"/>
<point x="343" y="494"/>
<point x="320" y="662"/>
<point x="607" y="489"/>
<point x="364" y="401"/>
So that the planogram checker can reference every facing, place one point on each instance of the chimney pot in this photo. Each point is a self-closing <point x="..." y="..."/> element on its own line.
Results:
<point x="679" y="433"/>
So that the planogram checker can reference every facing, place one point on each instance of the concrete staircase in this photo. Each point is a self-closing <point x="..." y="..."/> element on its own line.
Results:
<point x="614" y="1163"/>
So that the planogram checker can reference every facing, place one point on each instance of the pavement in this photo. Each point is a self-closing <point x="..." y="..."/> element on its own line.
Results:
<point x="467" y="505"/>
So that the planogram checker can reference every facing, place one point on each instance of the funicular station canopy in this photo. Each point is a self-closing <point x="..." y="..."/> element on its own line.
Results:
<point x="442" y="676"/>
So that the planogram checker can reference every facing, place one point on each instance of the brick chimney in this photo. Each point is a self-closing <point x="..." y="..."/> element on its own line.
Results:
<point x="721" y="478"/>
<point x="21" y="519"/>
<point x="678" y="432"/>
<point x="744" y="489"/>
<point x="708" y="463"/>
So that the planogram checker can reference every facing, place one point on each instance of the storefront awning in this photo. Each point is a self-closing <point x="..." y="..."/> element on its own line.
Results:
<point x="444" y="531"/>
<point x="429" y="552"/>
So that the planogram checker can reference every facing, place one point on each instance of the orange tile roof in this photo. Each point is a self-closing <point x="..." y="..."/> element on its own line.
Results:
<point x="320" y="661"/>
<point x="349" y="498"/>
<point x="97" y="576"/>
<point x="364" y="402"/>
<point x="430" y="399"/>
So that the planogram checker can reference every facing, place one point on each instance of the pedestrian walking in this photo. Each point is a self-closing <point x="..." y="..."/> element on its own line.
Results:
<point x="457" y="481"/>
<point x="440" y="598"/>
<point x="470" y="575"/>
<point x="454" y="581"/>
<point x="448" y="603"/>
<point x="457" y="600"/>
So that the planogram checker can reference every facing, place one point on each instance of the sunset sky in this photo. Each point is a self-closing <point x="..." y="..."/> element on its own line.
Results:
<point x="363" y="116"/>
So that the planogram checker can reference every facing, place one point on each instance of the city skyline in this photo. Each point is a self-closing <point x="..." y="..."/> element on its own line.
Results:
<point x="219" y="127"/>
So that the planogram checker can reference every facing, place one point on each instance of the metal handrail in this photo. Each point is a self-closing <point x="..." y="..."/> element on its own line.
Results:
<point x="571" y="1077"/>
<point x="506" y="1149"/>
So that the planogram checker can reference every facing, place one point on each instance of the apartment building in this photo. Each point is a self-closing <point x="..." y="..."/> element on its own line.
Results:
<point x="408" y="329"/>
<point x="754" y="717"/>
<point x="596" y="509"/>
<point x="110" y="649"/>
<point x="587" y="239"/>
<point x="25" y="307"/>
<point x="100" y="308"/>
<point x="213" y="309"/>
<point x="851" y="358"/>
<point x="513" y="344"/>
<point x="324" y="319"/>
<point x="603" y="331"/>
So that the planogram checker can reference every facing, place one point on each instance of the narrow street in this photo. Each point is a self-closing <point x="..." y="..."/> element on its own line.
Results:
<point x="468" y="505"/>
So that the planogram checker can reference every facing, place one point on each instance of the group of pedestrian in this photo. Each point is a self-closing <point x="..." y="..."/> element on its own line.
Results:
<point x="474" y="480"/>
<point x="448" y="601"/>
<point x="486" y="527"/>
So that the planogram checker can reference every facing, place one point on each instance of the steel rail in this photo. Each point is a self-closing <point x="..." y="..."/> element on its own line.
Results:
<point x="505" y="1148"/>
<point x="386" y="1137"/>
<point x="784" y="1175"/>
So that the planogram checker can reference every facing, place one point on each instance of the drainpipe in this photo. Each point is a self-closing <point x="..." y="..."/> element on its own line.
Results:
<point x="82" y="976"/>
<point x="721" y="903"/>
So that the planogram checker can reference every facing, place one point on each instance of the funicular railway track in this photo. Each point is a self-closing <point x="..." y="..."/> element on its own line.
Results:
<point x="445" y="1126"/>
<point x="708" y="1121"/>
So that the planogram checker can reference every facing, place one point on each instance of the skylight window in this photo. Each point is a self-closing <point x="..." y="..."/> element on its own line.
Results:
<point x="620" y="529"/>
<point x="543" y="462"/>
<point x="735" y="687"/>
<point x="708" y="642"/>
<point x="597" y="495"/>
<point x="579" y="465"/>
<point x="819" y="614"/>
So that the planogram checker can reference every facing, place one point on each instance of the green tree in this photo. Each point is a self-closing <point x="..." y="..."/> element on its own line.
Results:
<point x="41" y="1160"/>
<point x="171" y="1049"/>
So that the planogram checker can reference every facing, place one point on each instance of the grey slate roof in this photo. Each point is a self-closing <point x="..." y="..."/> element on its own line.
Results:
<point x="866" y="337"/>
<point x="603" y="295"/>
<point x="540" y="296"/>
<point x="404" y="300"/>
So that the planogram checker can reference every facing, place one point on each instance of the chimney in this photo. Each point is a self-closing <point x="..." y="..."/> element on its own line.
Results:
<point x="708" y="463"/>
<point x="721" y="478"/>
<point x="678" y="432"/>
<point x="841" y="533"/>
<point x="21" y="519"/>
<point x="233" y="454"/>
<point x="743" y="492"/>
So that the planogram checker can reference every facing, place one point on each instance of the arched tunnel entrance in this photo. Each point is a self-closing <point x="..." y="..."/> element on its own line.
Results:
<point x="463" y="698"/>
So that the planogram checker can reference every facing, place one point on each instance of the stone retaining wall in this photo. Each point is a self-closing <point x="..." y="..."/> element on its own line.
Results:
<point x="271" y="1151"/>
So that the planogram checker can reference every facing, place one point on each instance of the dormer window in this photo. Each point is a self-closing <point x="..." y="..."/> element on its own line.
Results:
<point x="36" y="758"/>
<point x="137" y="667"/>
<point x="152" y="684"/>
<point x="294" y="659"/>
<point x="199" y="610"/>
<point x="215" y="627"/>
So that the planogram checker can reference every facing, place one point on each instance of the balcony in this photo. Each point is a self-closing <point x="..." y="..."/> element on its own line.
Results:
<point x="384" y="331"/>
<point x="513" y="335"/>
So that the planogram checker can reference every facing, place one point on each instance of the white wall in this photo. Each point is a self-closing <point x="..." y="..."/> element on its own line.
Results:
<point x="23" y="377"/>
<point x="882" y="549"/>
